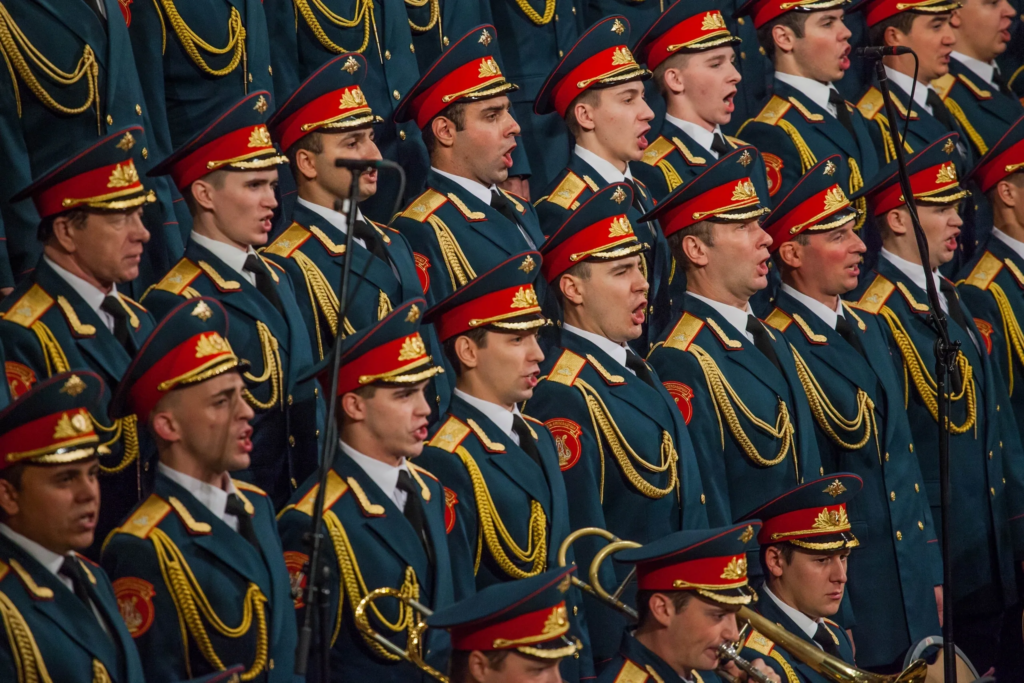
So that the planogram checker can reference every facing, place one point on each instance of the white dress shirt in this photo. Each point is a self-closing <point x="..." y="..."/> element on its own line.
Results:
<point x="737" y="317"/>
<point x="1016" y="245"/>
<point x="385" y="476"/>
<point x="482" y="193"/>
<point x="336" y="219"/>
<point x="616" y="351"/>
<point x="804" y="623"/>
<point x="213" y="498"/>
<point x="906" y="83"/>
<point x="828" y="315"/>
<point x="915" y="272"/>
<point x="982" y="70"/>
<point x="229" y="254"/>
<point x="92" y="295"/>
<point x="605" y="169"/>
<point x="816" y="91"/>
<point x="499" y="415"/>
<point x="701" y="135"/>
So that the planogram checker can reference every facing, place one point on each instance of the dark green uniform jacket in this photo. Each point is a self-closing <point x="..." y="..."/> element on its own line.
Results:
<point x="981" y="109"/>
<point x="285" y="428"/>
<point x="634" y="663"/>
<point x="857" y="400"/>
<point x="196" y="595"/>
<point x="48" y="328"/>
<point x="370" y="544"/>
<point x="986" y="451"/>
<point x="492" y="488"/>
<point x="627" y="459"/>
<point x="47" y="628"/>
<point x="37" y="134"/>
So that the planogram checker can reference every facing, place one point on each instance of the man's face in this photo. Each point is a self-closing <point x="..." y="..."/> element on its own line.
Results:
<point x="244" y="206"/>
<point x="709" y="80"/>
<point x="614" y="298"/>
<point x="516" y="668"/>
<point x="56" y="505"/>
<point x="739" y="258"/>
<point x="941" y="226"/>
<point x="621" y="121"/>
<point x="509" y="364"/>
<point x="486" y="142"/>
<point x="932" y="38"/>
<point x="814" y="581"/>
<point x="397" y="418"/>
<point x="110" y="245"/>
<point x="983" y="29"/>
<point x="697" y="630"/>
<point x="830" y="261"/>
<point x="356" y="144"/>
<point x="824" y="51"/>
<point x="212" y="422"/>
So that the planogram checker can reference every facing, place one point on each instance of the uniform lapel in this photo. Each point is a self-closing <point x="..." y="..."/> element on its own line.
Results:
<point x="829" y="126"/>
<point x="770" y="610"/>
<point x="494" y="227"/>
<point x="81" y="20"/>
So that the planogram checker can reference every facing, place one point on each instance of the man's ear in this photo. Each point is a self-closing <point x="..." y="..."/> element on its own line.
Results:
<point x="572" y="288"/>
<point x="894" y="37"/>
<point x="478" y="665"/>
<point x="584" y="114"/>
<point x="791" y="254"/>
<point x="467" y="351"/>
<point x="785" y="39"/>
<point x="898" y="221"/>
<point x="444" y="131"/>
<point x="8" y="498"/>
<point x="773" y="560"/>
<point x="305" y="164"/>
<point x="1007" y="193"/>
<point x="661" y="609"/>
<point x="674" y="81"/>
<point x="696" y="250"/>
<point x="64" y="234"/>
<point x="203" y="192"/>
<point x="354" y="406"/>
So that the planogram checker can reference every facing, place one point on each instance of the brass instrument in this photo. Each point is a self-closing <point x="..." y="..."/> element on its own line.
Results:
<point x="730" y="651"/>
<point x="413" y="651"/>
<point x="594" y="588"/>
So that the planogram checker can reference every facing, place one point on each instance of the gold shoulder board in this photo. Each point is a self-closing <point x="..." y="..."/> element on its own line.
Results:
<point x="870" y="105"/>
<point x="288" y="241"/>
<point x="875" y="296"/>
<point x="944" y="84"/>
<point x="146" y="517"/>
<point x="336" y="488"/>
<point x="757" y="642"/>
<point x="773" y="112"/>
<point x="450" y="435"/>
<point x="30" y="307"/>
<point x="985" y="271"/>
<point x="779" y="320"/>
<point x="179" y="277"/>
<point x="251" y="488"/>
<point x="972" y="86"/>
<point x="424" y="206"/>
<point x="657" y="150"/>
<point x="568" y="191"/>
<point x="481" y="436"/>
<point x="567" y="369"/>
<point x="631" y="673"/>
<point x="805" y="112"/>
<point x="684" y="332"/>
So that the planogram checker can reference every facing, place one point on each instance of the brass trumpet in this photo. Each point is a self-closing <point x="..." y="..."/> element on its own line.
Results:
<point x="413" y="651"/>
<point x="594" y="588"/>
<point x="729" y="651"/>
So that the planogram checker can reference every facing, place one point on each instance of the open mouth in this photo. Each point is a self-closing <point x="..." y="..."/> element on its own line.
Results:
<point x="245" y="441"/>
<point x="844" y="59"/>
<point x="641" y="140"/>
<point x="728" y="100"/>
<point x="507" y="156"/>
<point x="639" y="314"/>
<point x="762" y="268"/>
<point x="421" y="433"/>
<point x="86" y="521"/>
<point x="532" y="379"/>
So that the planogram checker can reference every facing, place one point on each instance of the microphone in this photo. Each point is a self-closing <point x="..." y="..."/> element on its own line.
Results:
<point x="364" y="164"/>
<point x="879" y="52"/>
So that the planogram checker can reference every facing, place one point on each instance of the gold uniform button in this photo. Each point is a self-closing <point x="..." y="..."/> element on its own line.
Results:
<point x="892" y="496"/>
<point x="145" y="153"/>
<point x="397" y="95"/>
<point x="574" y="9"/>
<point x="920" y="525"/>
<point x="138" y="109"/>
<point x="556" y="17"/>
<point x="887" y="457"/>
<point x="743" y="55"/>
<point x="992" y="491"/>
<point x="401" y="135"/>
<point x="703" y="500"/>
<point x="990" y="454"/>
<point x="250" y="78"/>
<point x="1000" y="444"/>
<point x="741" y="22"/>
<point x="317" y="433"/>
<point x="761" y="50"/>
<point x="1004" y="480"/>
<point x="387" y="54"/>
<point x="270" y="664"/>
<point x="110" y="120"/>
<point x="291" y="399"/>
<point x="911" y="447"/>
<point x="917" y="488"/>
<point x="899" y="535"/>
<point x="821" y="471"/>
<point x="291" y="440"/>
<point x="997" y="407"/>
<point x="575" y="655"/>
<point x="295" y="484"/>
<point x="316" y="391"/>
<point x="575" y="610"/>
<point x="445" y="41"/>
<point x="560" y="53"/>
<point x="412" y="48"/>
<point x="270" y="70"/>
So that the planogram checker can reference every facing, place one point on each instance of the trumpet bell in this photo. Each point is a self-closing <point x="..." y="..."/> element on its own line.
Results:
<point x="413" y="652"/>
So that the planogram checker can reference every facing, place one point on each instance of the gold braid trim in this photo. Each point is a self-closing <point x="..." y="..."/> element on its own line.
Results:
<point x="193" y="608"/>
<point x="459" y="269"/>
<point x="497" y="537"/>
<point x="192" y="43"/>
<point x="887" y="139"/>
<point x="353" y="585"/>
<point x="725" y="398"/>
<point x="99" y="672"/>
<point x="363" y="14"/>
<point x="807" y="158"/>
<point x="827" y="415"/>
<point x="965" y="123"/>
<point x="15" y="47"/>
<point x="435" y="14"/>
<point x="856" y="183"/>
<point x="604" y="425"/>
<point x="1011" y="330"/>
<point x="28" y="661"/>
<point x="914" y="365"/>
<point x="53" y="354"/>
<point x="533" y="15"/>
<point x="384" y="306"/>
<point x="671" y="177"/>
<point x="791" y="676"/>
<point x="127" y="430"/>
<point x="321" y="292"/>
<point x="272" y="370"/>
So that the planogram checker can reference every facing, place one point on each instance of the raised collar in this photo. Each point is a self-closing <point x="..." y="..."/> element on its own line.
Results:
<point x="501" y="417"/>
<point x="603" y="167"/>
<point x="336" y="219"/>
<point x="816" y="91"/>
<point x="828" y="315"/>
<point x="231" y="255"/>
<point x="1016" y="245"/>
<point x="616" y="351"/>
<point x="906" y="84"/>
<point x="385" y="476"/>
<point x="734" y="316"/>
<point x="982" y="70"/>
<point x="213" y="498"/>
<point x="804" y="623"/>
<point x="701" y="135"/>
<point x="471" y="186"/>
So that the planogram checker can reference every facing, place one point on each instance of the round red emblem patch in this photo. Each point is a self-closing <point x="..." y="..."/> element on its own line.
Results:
<point x="682" y="395"/>
<point x="135" y="602"/>
<point x="986" y="330"/>
<point x="773" y="167"/>
<point x="567" y="441"/>
<point x="295" y="562"/>
<point x="20" y="378"/>
<point x="422" y="265"/>
<point x="126" y="11"/>
<point x="451" y="499"/>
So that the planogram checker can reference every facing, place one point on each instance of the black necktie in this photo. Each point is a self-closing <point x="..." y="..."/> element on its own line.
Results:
<point x="264" y="283"/>
<point x="842" y="113"/>
<point x="1000" y="82"/>
<point x="526" y="441"/>
<point x="112" y="306"/>
<point x="846" y="331"/>
<point x="72" y="570"/>
<point x="953" y="303"/>
<point x="638" y="202"/>
<point x="762" y="341"/>
<point x="824" y="638"/>
<point x="414" y="511"/>
<point x="639" y="368"/>
<point x="719" y="146"/>
<point x="236" y="507"/>
<point x="939" y="110"/>
<point x="368" y="234"/>
<point x="503" y="206"/>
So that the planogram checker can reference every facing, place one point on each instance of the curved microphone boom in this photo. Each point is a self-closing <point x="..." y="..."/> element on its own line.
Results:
<point x="884" y="51"/>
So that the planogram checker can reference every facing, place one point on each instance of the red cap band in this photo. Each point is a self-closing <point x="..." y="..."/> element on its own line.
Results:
<point x="326" y="109"/>
<point x="505" y="303"/>
<point x="103" y="184"/>
<point x="810" y="212"/>
<point x="239" y="145"/>
<point x="526" y="629"/>
<point x="465" y="81"/>
<point x="734" y="195"/>
<point x="931" y="181"/>
<point x="47" y="434"/>
<point x="697" y="28"/>
<point x="806" y="523"/>
<point x="1010" y="161"/>
<point x="604" y="64"/>
<point x="605" y="235"/>
<point x="713" y="573"/>
<point x="377" y="364"/>
<point x="185" y="362"/>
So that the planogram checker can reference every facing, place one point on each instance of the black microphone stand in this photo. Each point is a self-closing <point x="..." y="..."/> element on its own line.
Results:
<point x="945" y="355"/>
<point x="317" y="597"/>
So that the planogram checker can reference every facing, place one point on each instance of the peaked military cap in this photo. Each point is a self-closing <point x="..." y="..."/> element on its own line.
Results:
<point x="812" y="515"/>
<point x="816" y="203"/>
<point x="600" y="58"/>
<point x="723" y="193"/>
<point x="934" y="178"/>
<point x="53" y="423"/>
<point x="188" y="346"/>
<point x="467" y="71"/>
<point x="876" y="11"/>
<point x="503" y="297"/>
<point x="101" y="176"/>
<point x="1003" y="159"/>
<point x="390" y="352"/>
<point x="686" y="26"/>
<point x="238" y="139"/>
<point x="599" y="230"/>
<point x="763" y="11"/>
<point x="528" y="615"/>
<point x="330" y="100"/>
<point x="712" y="562"/>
